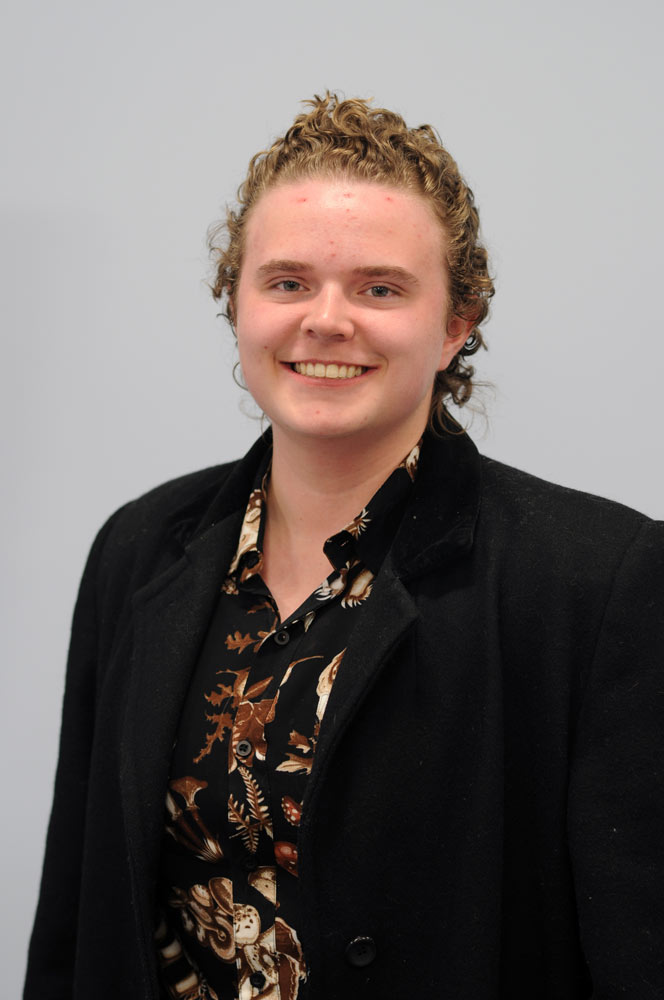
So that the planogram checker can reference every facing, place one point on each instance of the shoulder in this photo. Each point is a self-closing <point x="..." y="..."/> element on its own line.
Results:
<point x="562" y="530"/>
<point x="185" y="495"/>
<point x="150" y="532"/>
<point x="526" y="499"/>
<point x="165" y="506"/>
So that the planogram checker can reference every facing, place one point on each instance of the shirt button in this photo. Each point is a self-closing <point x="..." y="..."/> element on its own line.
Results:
<point x="360" y="951"/>
<point x="250" y="862"/>
<point x="243" y="749"/>
<point x="257" y="979"/>
<point x="282" y="638"/>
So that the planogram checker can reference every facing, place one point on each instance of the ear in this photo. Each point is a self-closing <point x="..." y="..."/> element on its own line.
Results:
<point x="457" y="333"/>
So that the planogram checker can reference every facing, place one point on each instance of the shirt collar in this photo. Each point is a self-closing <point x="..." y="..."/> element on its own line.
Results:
<point x="369" y="535"/>
<point x="366" y="538"/>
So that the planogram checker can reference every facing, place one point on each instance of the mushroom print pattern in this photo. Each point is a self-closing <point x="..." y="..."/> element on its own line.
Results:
<point x="229" y="916"/>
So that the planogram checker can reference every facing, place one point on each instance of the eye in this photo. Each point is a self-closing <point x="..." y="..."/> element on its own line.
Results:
<point x="380" y="291"/>
<point x="288" y="285"/>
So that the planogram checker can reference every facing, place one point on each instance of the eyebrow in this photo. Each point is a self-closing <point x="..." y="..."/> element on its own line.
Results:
<point x="387" y="271"/>
<point x="276" y="266"/>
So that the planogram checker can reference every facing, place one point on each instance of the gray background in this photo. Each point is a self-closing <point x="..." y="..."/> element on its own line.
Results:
<point x="127" y="126"/>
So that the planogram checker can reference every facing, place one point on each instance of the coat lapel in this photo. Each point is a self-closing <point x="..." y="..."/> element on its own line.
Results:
<point x="437" y="528"/>
<point x="171" y="616"/>
<point x="388" y="615"/>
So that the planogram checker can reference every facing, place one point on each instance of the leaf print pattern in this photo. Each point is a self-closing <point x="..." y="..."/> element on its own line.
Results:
<point x="257" y="807"/>
<point x="259" y="816"/>
<point x="308" y="620"/>
<point x="306" y="745"/>
<point x="325" y="682"/>
<point x="333" y="586"/>
<point x="249" y="725"/>
<point x="352" y="582"/>
<point x="359" y="523"/>
<point x="258" y="688"/>
<point x="250" y="528"/>
<point x="257" y="682"/>
<point x="247" y="830"/>
<point x="295" y="764"/>
<point x="228" y="695"/>
<point x="264" y="606"/>
<point x="358" y="591"/>
<point x="299" y="741"/>
<point x="239" y="642"/>
<point x="248" y="721"/>
<point x="223" y="722"/>
<point x="411" y="461"/>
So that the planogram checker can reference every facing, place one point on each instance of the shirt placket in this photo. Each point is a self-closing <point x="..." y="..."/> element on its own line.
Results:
<point x="254" y="928"/>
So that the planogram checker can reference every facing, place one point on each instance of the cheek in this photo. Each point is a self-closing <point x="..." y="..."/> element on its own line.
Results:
<point x="258" y="323"/>
<point x="251" y="332"/>
<point x="253" y="354"/>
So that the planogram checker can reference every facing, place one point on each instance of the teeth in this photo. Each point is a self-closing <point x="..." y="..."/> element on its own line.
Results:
<point x="319" y="370"/>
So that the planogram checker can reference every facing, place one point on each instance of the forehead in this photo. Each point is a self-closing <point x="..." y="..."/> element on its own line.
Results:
<point x="343" y="213"/>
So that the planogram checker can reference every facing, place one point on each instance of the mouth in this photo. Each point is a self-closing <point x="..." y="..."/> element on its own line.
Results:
<point x="316" y="369"/>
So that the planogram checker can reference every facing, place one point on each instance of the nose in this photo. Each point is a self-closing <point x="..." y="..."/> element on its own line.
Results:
<point x="328" y="315"/>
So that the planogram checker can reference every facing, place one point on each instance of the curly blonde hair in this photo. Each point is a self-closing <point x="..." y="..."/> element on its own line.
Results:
<point x="352" y="139"/>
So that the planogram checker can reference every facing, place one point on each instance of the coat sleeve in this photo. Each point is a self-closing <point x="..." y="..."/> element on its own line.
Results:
<point x="51" y="957"/>
<point x="616" y="804"/>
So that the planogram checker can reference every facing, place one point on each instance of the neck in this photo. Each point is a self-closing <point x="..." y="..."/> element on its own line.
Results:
<point x="318" y="486"/>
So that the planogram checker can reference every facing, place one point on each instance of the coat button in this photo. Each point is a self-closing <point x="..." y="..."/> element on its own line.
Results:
<point x="361" y="951"/>
<point x="257" y="979"/>
<point x="282" y="638"/>
<point x="243" y="749"/>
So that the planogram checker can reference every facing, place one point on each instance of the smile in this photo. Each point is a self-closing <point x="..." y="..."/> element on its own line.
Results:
<point x="319" y="370"/>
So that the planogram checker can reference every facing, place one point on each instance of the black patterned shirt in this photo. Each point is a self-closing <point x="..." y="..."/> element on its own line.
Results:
<point x="246" y="741"/>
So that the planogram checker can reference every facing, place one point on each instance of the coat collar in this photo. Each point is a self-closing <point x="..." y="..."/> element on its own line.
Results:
<point x="440" y="517"/>
<point x="215" y="504"/>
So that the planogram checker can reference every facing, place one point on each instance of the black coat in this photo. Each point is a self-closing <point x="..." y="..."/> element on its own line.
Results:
<point x="486" y="798"/>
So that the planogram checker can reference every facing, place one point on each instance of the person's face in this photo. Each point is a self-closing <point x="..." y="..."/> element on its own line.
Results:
<point x="341" y="310"/>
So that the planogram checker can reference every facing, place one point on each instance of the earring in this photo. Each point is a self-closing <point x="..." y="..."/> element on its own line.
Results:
<point x="237" y="375"/>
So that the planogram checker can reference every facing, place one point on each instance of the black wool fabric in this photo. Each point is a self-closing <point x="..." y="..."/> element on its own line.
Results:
<point x="484" y="816"/>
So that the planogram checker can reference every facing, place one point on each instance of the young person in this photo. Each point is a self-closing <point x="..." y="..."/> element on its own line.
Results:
<point x="363" y="714"/>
